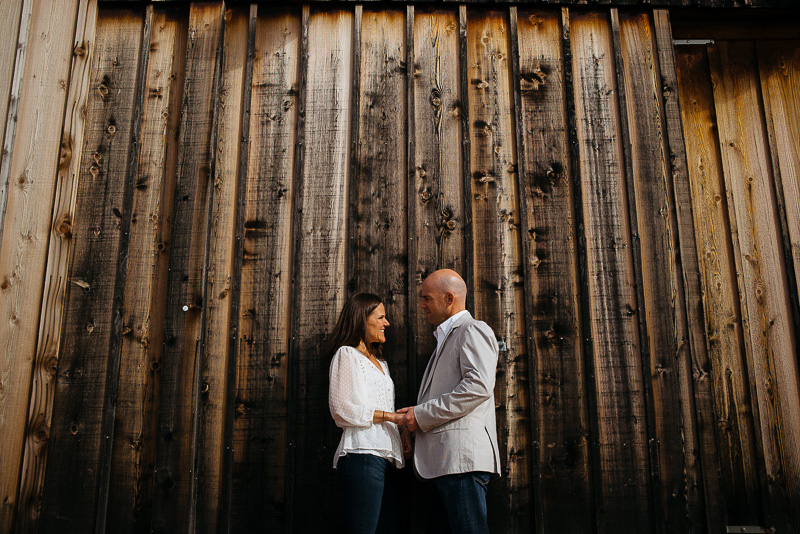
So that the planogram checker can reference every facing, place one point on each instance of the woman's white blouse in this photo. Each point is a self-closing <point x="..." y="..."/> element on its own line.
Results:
<point x="357" y="389"/>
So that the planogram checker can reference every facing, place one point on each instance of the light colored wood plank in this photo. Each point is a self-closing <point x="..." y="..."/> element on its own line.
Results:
<point x="763" y="284"/>
<point x="257" y="499"/>
<point x="28" y="178"/>
<point x="73" y="482"/>
<point x="437" y="220"/>
<point x="182" y="383"/>
<point x="210" y="445"/>
<point x="498" y="263"/>
<point x="143" y="314"/>
<point x="779" y="65"/>
<point x="49" y="336"/>
<point x="561" y="423"/>
<point x="10" y="16"/>
<point x="624" y="472"/>
<point x="735" y="438"/>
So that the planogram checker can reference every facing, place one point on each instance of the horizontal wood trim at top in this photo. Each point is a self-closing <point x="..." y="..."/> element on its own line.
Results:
<point x="691" y="5"/>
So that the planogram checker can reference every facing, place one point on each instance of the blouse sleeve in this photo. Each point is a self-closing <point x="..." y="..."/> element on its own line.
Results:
<point x="347" y="398"/>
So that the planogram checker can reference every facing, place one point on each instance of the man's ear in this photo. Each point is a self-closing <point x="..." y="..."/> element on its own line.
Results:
<point x="449" y="298"/>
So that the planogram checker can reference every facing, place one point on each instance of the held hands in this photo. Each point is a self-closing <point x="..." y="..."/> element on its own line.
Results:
<point x="408" y="418"/>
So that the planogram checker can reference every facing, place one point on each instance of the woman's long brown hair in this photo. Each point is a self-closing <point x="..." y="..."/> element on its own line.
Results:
<point x="351" y="327"/>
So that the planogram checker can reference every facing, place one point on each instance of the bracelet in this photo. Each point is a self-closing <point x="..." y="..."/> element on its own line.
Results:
<point x="383" y="416"/>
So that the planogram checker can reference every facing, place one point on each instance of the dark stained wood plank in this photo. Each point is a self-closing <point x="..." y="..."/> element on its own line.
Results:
<point x="498" y="271"/>
<point x="77" y="473"/>
<point x="381" y="216"/>
<point x="763" y="284"/>
<point x="182" y="380"/>
<point x="725" y="364"/>
<point x="679" y="503"/>
<point x="260" y="428"/>
<point x="779" y="66"/>
<point x="436" y="201"/>
<point x="219" y="275"/>
<point x="620" y="425"/>
<point x="40" y="409"/>
<point x="319" y="267"/>
<point x="469" y="253"/>
<point x="690" y="290"/>
<point x="134" y="441"/>
<point x="561" y="424"/>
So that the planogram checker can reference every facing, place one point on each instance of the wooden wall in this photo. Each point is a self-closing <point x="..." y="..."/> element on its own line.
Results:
<point x="191" y="191"/>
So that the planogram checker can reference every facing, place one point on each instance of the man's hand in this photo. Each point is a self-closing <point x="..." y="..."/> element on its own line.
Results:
<point x="407" y="439"/>
<point x="408" y="419"/>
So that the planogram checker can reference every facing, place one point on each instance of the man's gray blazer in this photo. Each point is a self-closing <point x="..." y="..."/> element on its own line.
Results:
<point x="455" y="405"/>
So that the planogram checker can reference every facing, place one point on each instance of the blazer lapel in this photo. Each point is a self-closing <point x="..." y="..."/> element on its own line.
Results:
<point x="434" y="360"/>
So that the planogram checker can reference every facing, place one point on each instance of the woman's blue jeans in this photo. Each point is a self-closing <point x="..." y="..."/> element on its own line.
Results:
<point x="369" y="494"/>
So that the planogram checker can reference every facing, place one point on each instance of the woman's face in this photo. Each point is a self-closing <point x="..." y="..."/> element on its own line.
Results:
<point x="376" y="323"/>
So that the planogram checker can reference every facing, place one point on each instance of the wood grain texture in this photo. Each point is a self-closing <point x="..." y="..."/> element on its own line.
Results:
<point x="689" y="263"/>
<point x="9" y="117"/>
<point x="182" y="381"/>
<point x="561" y="428"/>
<point x="257" y="498"/>
<point x="320" y="249"/>
<point x="56" y="273"/>
<point x="673" y="425"/>
<point x="763" y="283"/>
<point x="498" y="271"/>
<point x="726" y="361"/>
<point x="10" y="16"/>
<point x="779" y="67"/>
<point x="73" y="479"/>
<point x="619" y="390"/>
<point x="28" y="181"/>
<point x="219" y="275"/>
<point x="133" y="454"/>
<point x="436" y="221"/>
<point x="381" y="216"/>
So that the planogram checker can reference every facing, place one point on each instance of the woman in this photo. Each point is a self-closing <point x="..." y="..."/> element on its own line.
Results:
<point x="361" y="401"/>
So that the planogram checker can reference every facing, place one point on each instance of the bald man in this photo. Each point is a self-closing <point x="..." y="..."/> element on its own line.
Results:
<point x="455" y="434"/>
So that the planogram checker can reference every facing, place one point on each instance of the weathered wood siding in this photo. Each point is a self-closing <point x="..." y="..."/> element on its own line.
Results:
<point x="191" y="191"/>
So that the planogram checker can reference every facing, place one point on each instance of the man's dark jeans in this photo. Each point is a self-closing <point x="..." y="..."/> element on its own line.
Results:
<point x="457" y="504"/>
<point x="370" y="500"/>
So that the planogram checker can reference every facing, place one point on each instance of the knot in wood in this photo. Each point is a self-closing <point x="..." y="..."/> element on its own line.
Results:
<point x="450" y="225"/>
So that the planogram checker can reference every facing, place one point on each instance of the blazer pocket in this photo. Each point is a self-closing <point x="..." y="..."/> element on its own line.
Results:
<point x="457" y="424"/>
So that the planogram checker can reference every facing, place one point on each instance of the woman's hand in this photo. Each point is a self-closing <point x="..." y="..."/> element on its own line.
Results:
<point x="407" y="439"/>
<point x="386" y="417"/>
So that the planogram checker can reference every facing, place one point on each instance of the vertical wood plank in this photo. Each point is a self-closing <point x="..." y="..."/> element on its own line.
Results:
<point x="620" y="425"/>
<point x="28" y="183"/>
<point x="49" y="335"/>
<point x="437" y="222"/>
<point x="561" y="425"/>
<point x="130" y="497"/>
<point x="725" y="364"/>
<point x="381" y="215"/>
<point x="676" y="464"/>
<point x="10" y="17"/>
<point x="469" y="268"/>
<point x="763" y="282"/>
<point x="319" y="268"/>
<point x="182" y="380"/>
<point x="498" y="270"/>
<point x="779" y="66"/>
<point x="213" y="391"/>
<point x="260" y="427"/>
<point x="76" y="455"/>
<point x="692" y="290"/>
<point x="10" y="113"/>
<point x="236" y="277"/>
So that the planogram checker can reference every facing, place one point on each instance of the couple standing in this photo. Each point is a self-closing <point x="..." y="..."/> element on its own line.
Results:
<point x="451" y="430"/>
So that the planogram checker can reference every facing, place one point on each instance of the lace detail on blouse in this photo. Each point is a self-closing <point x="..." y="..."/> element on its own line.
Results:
<point x="357" y="389"/>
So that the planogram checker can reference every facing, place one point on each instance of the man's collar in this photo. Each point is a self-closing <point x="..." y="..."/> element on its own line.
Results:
<point x="448" y="323"/>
